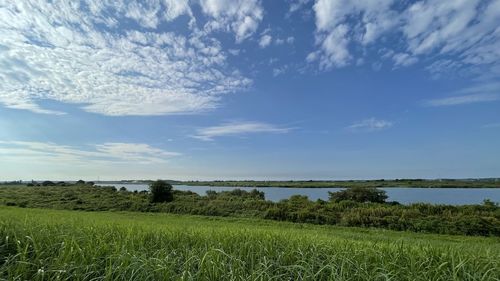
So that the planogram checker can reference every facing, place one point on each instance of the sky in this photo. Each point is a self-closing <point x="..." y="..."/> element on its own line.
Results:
<point x="249" y="89"/>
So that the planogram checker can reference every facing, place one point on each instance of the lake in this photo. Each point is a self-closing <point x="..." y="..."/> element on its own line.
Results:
<point x="450" y="196"/>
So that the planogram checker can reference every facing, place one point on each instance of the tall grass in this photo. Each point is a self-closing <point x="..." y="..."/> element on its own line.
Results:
<point x="67" y="245"/>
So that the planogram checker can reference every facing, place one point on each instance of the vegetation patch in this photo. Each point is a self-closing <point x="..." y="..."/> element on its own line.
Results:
<point x="356" y="208"/>
<point x="71" y="245"/>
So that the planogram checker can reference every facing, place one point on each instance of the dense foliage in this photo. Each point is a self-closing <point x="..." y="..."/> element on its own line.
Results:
<point x="359" y="194"/>
<point x="445" y="219"/>
<point x="160" y="191"/>
<point x="61" y="245"/>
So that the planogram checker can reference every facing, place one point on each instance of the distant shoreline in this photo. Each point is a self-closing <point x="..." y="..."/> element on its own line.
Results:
<point x="400" y="183"/>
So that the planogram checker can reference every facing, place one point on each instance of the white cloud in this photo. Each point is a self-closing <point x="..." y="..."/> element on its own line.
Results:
<point x="145" y="15"/>
<point x="296" y="5"/>
<point x="464" y="31"/>
<point x="335" y="30"/>
<point x="481" y="88"/>
<point x="234" y="52"/>
<point x="402" y="59"/>
<point x="288" y="40"/>
<point x="370" y="125"/>
<point x="312" y="56"/>
<point x="335" y="48"/>
<point x="465" y="99"/>
<point x="433" y="24"/>
<point x="236" y="129"/>
<point x="483" y="92"/>
<point x="135" y="152"/>
<point x="176" y="8"/>
<point x="50" y="153"/>
<point x="240" y="16"/>
<point x="80" y="53"/>
<point x="265" y="40"/>
<point x="280" y="70"/>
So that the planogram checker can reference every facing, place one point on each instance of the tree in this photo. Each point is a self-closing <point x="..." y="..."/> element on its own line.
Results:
<point x="48" y="183"/>
<point x="488" y="202"/>
<point x="257" y="194"/>
<point x="359" y="194"/>
<point x="211" y="194"/>
<point x="161" y="191"/>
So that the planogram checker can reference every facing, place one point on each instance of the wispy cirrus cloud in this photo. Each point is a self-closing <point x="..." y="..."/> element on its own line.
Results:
<point x="466" y="99"/>
<point x="83" y="53"/>
<point x="238" y="129"/>
<point x="49" y="153"/>
<point x="370" y="125"/>
<point x="483" y="92"/>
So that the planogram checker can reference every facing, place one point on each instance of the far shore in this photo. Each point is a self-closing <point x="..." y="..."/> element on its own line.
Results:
<point x="398" y="183"/>
<point x="382" y="183"/>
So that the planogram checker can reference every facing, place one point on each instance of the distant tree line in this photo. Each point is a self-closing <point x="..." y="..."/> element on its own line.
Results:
<point x="59" y="183"/>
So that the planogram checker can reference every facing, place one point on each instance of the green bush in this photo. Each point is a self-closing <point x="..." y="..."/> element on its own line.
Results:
<point x="359" y="194"/>
<point x="160" y="191"/>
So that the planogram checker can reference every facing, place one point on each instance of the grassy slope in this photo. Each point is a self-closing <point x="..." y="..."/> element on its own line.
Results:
<point x="69" y="245"/>
<point x="467" y="220"/>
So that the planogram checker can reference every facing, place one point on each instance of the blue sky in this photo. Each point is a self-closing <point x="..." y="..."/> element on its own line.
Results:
<point x="207" y="89"/>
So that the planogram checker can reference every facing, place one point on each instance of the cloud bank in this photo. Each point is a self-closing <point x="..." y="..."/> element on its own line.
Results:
<point x="112" y="57"/>
<point x="462" y="33"/>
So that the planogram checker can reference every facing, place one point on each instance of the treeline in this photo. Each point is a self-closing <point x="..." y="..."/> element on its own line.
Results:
<point x="359" y="207"/>
<point x="422" y="183"/>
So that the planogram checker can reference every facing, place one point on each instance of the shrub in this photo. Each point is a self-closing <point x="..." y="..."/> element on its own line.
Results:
<point x="211" y="194"/>
<point x="161" y="191"/>
<point x="359" y="194"/>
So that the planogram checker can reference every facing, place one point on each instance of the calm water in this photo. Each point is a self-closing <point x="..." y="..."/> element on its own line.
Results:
<point x="451" y="196"/>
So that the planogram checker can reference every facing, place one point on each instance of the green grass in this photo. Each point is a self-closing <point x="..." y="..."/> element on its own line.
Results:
<point x="481" y="220"/>
<point x="38" y="244"/>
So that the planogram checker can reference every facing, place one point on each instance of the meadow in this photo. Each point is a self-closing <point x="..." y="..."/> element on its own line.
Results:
<point x="480" y="220"/>
<point x="43" y="244"/>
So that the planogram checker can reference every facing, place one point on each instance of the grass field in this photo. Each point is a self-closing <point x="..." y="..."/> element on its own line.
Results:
<point x="40" y="244"/>
<point x="480" y="220"/>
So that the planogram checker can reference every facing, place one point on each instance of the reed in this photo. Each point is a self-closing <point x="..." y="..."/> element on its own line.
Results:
<point x="40" y="244"/>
